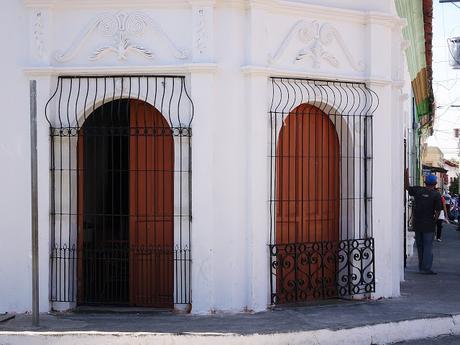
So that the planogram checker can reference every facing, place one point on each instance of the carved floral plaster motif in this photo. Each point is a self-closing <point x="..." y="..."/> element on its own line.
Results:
<point x="201" y="36"/>
<point x="316" y="38"/>
<point x="38" y="33"/>
<point x="121" y="27"/>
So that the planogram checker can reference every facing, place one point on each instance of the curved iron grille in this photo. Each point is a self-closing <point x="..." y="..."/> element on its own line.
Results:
<point x="121" y="191"/>
<point x="321" y="243"/>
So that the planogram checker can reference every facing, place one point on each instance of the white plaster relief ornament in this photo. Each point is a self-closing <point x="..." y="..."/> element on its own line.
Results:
<point x="122" y="27"/>
<point x="316" y="38"/>
<point x="201" y="31"/>
<point x="38" y="34"/>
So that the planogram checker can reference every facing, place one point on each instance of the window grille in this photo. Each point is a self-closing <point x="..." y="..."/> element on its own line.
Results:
<point x="121" y="192"/>
<point x="321" y="242"/>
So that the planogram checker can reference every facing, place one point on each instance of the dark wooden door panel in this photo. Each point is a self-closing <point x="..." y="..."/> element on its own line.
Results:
<point x="307" y="192"/>
<point x="151" y="207"/>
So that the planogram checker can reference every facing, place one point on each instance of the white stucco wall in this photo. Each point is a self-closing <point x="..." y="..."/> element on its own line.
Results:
<point x="231" y="49"/>
<point x="15" y="235"/>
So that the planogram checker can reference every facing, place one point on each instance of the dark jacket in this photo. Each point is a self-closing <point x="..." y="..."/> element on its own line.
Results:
<point x="426" y="202"/>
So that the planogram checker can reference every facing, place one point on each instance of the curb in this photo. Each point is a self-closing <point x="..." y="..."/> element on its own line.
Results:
<point x="386" y="333"/>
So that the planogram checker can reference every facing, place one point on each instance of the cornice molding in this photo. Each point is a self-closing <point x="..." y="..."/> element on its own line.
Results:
<point x="274" y="6"/>
<point x="325" y="12"/>
<point x="133" y="3"/>
<point x="202" y="3"/>
<point x="122" y="70"/>
<point x="107" y="3"/>
<point x="252" y="70"/>
<point x="385" y="20"/>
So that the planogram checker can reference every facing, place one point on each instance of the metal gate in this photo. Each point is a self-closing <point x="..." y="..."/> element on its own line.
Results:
<point x="321" y="243"/>
<point x="121" y="196"/>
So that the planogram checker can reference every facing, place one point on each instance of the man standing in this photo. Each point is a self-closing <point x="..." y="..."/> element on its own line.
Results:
<point x="427" y="206"/>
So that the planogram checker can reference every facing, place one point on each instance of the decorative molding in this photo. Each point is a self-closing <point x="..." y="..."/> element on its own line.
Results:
<point x="384" y="19"/>
<point x="93" y="4"/>
<point x="182" y="69"/>
<point x="316" y="37"/>
<point x="121" y="27"/>
<point x="254" y="70"/>
<point x="201" y="35"/>
<point x="38" y="33"/>
<point x="279" y="7"/>
<point x="404" y="97"/>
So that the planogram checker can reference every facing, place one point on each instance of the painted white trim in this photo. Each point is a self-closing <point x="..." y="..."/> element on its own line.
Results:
<point x="202" y="3"/>
<point x="52" y="4"/>
<point x="383" y="333"/>
<point x="274" y="6"/>
<point x="326" y="13"/>
<point x="133" y="3"/>
<point x="119" y="70"/>
<point x="274" y="72"/>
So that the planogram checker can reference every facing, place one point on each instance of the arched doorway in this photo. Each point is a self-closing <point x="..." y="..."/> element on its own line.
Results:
<point x="126" y="206"/>
<point x="307" y="206"/>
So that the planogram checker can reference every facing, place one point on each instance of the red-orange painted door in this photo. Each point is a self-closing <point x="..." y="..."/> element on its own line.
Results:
<point x="151" y="185"/>
<point x="307" y="212"/>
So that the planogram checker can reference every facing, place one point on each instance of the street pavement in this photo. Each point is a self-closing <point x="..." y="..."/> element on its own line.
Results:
<point x="423" y="297"/>
<point x="444" y="340"/>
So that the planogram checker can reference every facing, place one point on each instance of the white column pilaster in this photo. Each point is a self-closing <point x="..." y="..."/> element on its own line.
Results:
<point x="386" y="164"/>
<point x="203" y="203"/>
<point x="258" y="191"/>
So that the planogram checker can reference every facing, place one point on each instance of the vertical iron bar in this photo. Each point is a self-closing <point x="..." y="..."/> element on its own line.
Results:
<point x="271" y="213"/>
<point x="59" y="292"/>
<point x="69" y="227"/>
<point x="101" y="248"/>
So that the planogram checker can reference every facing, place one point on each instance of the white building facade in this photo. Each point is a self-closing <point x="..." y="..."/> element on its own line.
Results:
<point x="204" y="155"/>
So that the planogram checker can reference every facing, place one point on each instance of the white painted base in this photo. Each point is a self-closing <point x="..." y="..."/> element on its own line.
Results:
<point x="182" y="308"/>
<point x="63" y="306"/>
<point x="376" y="334"/>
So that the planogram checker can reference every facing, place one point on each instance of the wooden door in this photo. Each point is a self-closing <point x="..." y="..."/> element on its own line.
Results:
<point x="307" y="212"/>
<point x="151" y="185"/>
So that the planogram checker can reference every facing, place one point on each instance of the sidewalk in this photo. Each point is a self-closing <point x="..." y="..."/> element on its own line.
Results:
<point x="429" y="306"/>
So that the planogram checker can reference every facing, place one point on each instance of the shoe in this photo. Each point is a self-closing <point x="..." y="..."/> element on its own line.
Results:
<point x="438" y="240"/>
<point x="430" y="272"/>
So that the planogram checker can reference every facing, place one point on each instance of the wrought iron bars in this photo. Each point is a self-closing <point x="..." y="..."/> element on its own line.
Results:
<point x="321" y="243"/>
<point x="120" y="199"/>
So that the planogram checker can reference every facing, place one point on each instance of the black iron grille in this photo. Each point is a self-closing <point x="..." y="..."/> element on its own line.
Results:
<point x="120" y="177"/>
<point x="321" y="243"/>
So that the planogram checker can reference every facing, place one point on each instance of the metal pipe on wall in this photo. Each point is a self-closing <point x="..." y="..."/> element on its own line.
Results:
<point x="34" y="200"/>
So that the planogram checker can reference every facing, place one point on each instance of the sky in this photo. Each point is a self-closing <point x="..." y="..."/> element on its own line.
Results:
<point x="446" y="80"/>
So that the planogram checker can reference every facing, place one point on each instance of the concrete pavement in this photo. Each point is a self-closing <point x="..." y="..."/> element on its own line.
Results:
<point x="428" y="307"/>
<point x="441" y="340"/>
